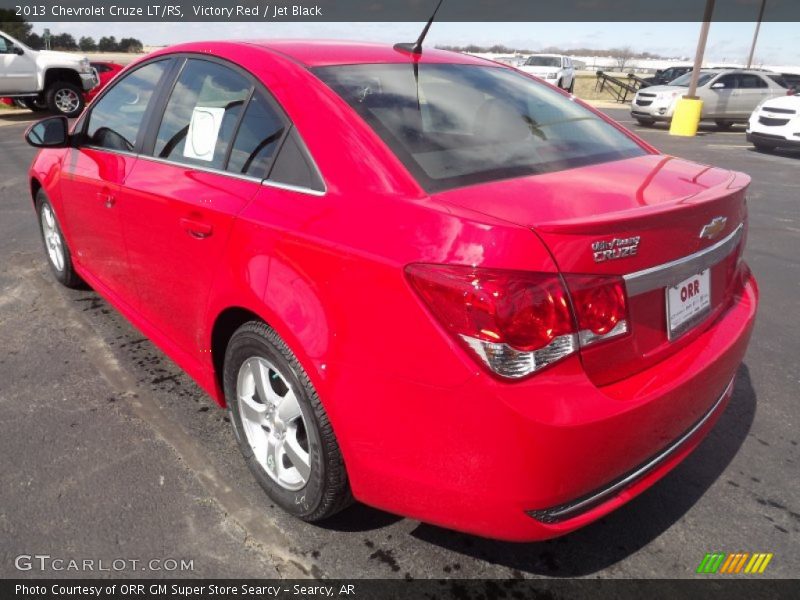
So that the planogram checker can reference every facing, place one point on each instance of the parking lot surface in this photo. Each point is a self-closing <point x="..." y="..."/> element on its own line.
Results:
<point x="108" y="451"/>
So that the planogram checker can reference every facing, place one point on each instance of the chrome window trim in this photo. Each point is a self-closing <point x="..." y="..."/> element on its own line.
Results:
<point x="265" y="182"/>
<point x="672" y="273"/>
<point x="572" y="509"/>
<point x="296" y="188"/>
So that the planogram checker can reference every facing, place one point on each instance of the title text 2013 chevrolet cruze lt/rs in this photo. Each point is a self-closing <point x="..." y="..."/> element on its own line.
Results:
<point x="425" y="281"/>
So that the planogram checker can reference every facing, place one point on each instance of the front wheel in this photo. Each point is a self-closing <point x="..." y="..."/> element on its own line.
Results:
<point x="571" y="86"/>
<point x="724" y="125"/>
<point x="762" y="147"/>
<point x="281" y="427"/>
<point x="58" y="254"/>
<point x="646" y="122"/>
<point x="65" y="98"/>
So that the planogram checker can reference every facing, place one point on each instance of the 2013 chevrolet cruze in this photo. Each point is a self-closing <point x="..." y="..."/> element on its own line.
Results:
<point x="429" y="282"/>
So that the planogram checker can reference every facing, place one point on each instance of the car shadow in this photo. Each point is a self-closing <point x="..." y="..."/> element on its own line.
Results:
<point x="633" y="526"/>
<point x="21" y="116"/>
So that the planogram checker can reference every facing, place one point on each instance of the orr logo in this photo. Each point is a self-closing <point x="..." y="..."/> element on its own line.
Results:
<point x="735" y="563"/>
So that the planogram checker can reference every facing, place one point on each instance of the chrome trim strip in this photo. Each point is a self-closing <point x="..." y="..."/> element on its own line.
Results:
<point x="672" y="273"/>
<point x="296" y="188"/>
<point x="572" y="509"/>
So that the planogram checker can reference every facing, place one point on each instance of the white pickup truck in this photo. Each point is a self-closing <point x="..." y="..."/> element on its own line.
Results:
<point x="42" y="79"/>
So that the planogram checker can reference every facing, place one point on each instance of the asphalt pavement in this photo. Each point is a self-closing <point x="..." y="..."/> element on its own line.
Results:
<point x="109" y="452"/>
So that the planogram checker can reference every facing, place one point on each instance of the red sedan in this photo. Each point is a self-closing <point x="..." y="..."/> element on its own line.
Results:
<point x="106" y="71"/>
<point x="428" y="282"/>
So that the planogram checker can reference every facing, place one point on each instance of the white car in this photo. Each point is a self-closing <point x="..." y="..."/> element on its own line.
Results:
<point x="555" y="69"/>
<point x="728" y="95"/>
<point x="775" y="123"/>
<point x="43" y="79"/>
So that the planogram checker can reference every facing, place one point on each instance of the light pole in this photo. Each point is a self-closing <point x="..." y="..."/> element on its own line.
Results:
<point x="755" y="35"/>
<point x="689" y="108"/>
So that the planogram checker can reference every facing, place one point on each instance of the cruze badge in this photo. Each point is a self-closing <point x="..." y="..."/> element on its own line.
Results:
<point x="615" y="248"/>
<point x="714" y="228"/>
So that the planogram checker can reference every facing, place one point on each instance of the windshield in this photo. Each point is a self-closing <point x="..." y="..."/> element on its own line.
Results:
<point x="543" y="61"/>
<point x="456" y="125"/>
<point x="683" y="80"/>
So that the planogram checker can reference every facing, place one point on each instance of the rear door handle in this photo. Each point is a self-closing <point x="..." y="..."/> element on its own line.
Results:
<point x="197" y="229"/>
<point x="107" y="199"/>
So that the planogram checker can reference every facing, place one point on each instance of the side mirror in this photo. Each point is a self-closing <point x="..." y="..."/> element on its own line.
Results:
<point x="718" y="86"/>
<point x="52" y="132"/>
<point x="17" y="50"/>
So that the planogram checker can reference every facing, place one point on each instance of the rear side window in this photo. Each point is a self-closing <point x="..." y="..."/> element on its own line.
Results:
<point x="257" y="139"/>
<point x="779" y="79"/>
<point x="294" y="166"/>
<point x="456" y="125"/>
<point x="202" y="113"/>
<point x="115" y="122"/>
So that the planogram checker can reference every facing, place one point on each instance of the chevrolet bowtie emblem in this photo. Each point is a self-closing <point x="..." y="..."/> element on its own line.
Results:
<point x="714" y="228"/>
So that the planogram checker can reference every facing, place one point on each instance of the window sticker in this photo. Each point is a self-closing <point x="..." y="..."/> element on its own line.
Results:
<point x="203" y="132"/>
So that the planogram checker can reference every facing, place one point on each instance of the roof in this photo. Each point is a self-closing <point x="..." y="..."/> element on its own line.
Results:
<point x="318" y="53"/>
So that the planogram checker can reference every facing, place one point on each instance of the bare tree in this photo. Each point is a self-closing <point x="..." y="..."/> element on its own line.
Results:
<point x="622" y="56"/>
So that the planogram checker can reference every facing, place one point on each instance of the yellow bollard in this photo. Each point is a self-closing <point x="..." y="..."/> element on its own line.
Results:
<point x="686" y="117"/>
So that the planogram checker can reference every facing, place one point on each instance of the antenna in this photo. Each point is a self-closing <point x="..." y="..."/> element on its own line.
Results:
<point x="416" y="47"/>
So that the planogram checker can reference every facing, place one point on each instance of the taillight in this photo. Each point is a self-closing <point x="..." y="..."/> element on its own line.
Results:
<point x="519" y="322"/>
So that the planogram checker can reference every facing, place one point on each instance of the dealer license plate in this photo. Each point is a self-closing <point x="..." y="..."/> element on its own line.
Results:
<point x="688" y="303"/>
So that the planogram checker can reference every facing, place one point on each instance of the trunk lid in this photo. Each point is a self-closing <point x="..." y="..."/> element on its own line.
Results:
<point x="623" y="218"/>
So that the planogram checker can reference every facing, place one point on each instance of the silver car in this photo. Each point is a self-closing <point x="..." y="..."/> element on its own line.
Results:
<point x="729" y="95"/>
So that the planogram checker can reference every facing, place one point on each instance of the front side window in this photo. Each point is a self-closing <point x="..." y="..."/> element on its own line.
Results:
<point x="749" y="81"/>
<point x="728" y="82"/>
<point x="5" y="45"/>
<point x="455" y="125"/>
<point x="201" y="115"/>
<point x="116" y="119"/>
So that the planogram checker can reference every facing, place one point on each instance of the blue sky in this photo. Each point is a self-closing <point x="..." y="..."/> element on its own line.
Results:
<point x="779" y="43"/>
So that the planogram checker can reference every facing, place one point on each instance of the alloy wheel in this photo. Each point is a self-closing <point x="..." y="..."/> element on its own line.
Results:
<point x="273" y="423"/>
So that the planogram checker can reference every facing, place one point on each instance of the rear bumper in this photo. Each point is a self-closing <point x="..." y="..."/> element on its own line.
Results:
<point x="543" y="457"/>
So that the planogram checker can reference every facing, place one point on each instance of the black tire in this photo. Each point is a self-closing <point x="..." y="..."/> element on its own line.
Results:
<point x="327" y="490"/>
<point x="724" y="125"/>
<point x="645" y="122"/>
<point x="58" y="89"/>
<point x="762" y="147"/>
<point x="571" y="88"/>
<point x="34" y="104"/>
<point x="558" y="85"/>
<point x="65" y="275"/>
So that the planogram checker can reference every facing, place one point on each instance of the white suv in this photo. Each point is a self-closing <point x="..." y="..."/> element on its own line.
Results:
<point x="43" y="79"/>
<point x="775" y="123"/>
<point x="553" y="68"/>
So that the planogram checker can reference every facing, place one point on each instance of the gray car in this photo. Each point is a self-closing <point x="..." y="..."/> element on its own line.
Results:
<point x="729" y="95"/>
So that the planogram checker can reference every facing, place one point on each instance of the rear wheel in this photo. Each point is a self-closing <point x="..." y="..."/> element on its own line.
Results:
<point x="65" y="98"/>
<point x="281" y="427"/>
<point x="58" y="254"/>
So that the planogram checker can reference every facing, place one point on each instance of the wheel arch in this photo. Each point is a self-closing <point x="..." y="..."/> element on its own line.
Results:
<point x="61" y="74"/>
<point x="224" y="326"/>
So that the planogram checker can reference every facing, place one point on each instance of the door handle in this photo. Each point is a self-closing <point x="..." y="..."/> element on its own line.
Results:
<point x="197" y="229"/>
<point x="107" y="199"/>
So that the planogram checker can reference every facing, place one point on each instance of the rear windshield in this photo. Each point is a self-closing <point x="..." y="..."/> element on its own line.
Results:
<point x="457" y="125"/>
